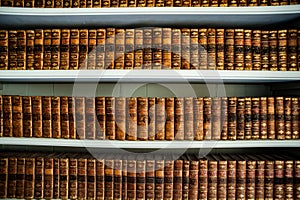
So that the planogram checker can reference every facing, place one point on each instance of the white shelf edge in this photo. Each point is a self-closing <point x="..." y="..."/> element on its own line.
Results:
<point x="50" y="142"/>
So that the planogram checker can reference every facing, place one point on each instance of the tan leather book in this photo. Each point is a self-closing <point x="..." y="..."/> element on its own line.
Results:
<point x="110" y="48"/>
<point x="185" y="48"/>
<point x="220" y="47"/>
<point x="157" y="45"/>
<point x="101" y="118"/>
<point x="142" y="118"/>
<point x="100" y="50"/>
<point x="91" y="59"/>
<point x="64" y="117"/>
<point x="20" y="186"/>
<point x="74" y="50"/>
<point x="55" y="48"/>
<point x="12" y="53"/>
<point x="65" y="49"/>
<point x="4" y="49"/>
<point x="176" y="48"/>
<point x="90" y="118"/>
<point x="56" y="117"/>
<point x="211" y="48"/>
<point x="120" y="118"/>
<point x="147" y="48"/>
<point x="47" y="49"/>
<point x="282" y="50"/>
<point x="17" y="116"/>
<point x="131" y="119"/>
<point x="229" y="49"/>
<point x="119" y="48"/>
<point x="239" y="49"/>
<point x="21" y="49"/>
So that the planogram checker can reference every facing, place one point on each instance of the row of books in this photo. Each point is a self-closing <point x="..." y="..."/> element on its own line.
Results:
<point x="142" y="3"/>
<point x="217" y="176"/>
<point x="152" y="118"/>
<point x="150" y="48"/>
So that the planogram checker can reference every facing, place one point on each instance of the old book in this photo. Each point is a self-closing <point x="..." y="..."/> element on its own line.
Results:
<point x="29" y="3"/>
<point x="168" y="178"/>
<point x="198" y="118"/>
<point x="177" y="182"/>
<point x="229" y="49"/>
<point x="211" y="49"/>
<point x="248" y="49"/>
<point x="292" y="50"/>
<point x="231" y="176"/>
<point x="47" y="49"/>
<point x="29" y="46"/>
<point x="56" y="176"/>
<point x="37" y="116"/>
<point x="166" y="48"/>
<point x="263" y="117"/>
<point x="80" y="117"/>
<point x="131" y="178"/>
<point x="64" y="177"/>
<point x="223" y="3"/>
<point x="49" y="3"/>
<point x="224" y="118"/>
<point x="110" y="48"/>
<point x="91" y="178"/>
<point x="264" y="3"/>
<point x="1" y="116"/>
<point x="189" y="118"/>
<point x="151" y="120"/>
<point x="141" y="178"/>
<point x="157" y="46"/>
<point x="273" y="45"/>
<point x="159" y="3"/>
<point x="7" y="116"/>
<point x="64" y="117"/>
<point x="65" y="49"/>
<point x="282" y="50"/>
<point x="117" y="179"/>
<point x="194" y="49"/>
<point x="132" y="3"/>
<point x="100" y="178"/>
<point x="82" y="178"/>
<point x="298" y="49"/>
<point x="288" y="117"/>
<point x="124" y="179"/>
<point x="279" y="190"/>
<point x="251" y="178"/>
<point x="248" y="118"/>
<point x="147" y="48"/>
<point x="29" y="177"/>
<point x="73" y="173"/>
<point x="222" y="177"/>
<point x="12" y="177"/>
<point x="7" y="3"/>
<point x="90" y="118"/>
<point x="295" y="118"/>
<point x="232" y="3"/>
<point x="55" y="47"/>
<point x="203" y="178"/>
<point x="279" y="118"/>
<point x="67" y="3"/>
<point x="202" y="40"/>
<point x="220" y="47"/>
<point x="241" y="177"/>
<point x="12" y="51"/>
<point x="83" y="46"/>
<point x="160" y="118"/>
<point x="142" y="118"/>
<point x="138" y="48"/>
<point x="119" y="48"/>
<point x="131" y="118"/>
<point x="21" y="49"/>
<point x="204" y="3"/>
<point x="207" y="118"/>
<point x="82" y="3"/>
<point x="39" y="177"/>
<point x="297" y="176"/>
<point x="255" y="117"/>
<point x="4" y="50"/>
<point x="168" y="3"/>
<point x="256" y="49"/>
<point x="259" y="177"/>
<point x="46" y="117"/>
<point x="56" y="117"/>
<point x="150" y="179"/>
<point x="110" y="118"/>
<point x="150" y="3"/>
<point x="129" y="48"/>
<point x="105" y="3"/>
<point x="185" y="48"/>
<point x="170" y="135"/>
<point x="176" y="49"/>
<point x="100" y="50"/>
<point x="74" y="49"/>
<point x="288" y="179"/>
<point x="123" y="3"/>
<point x="269" y="179"/>
<point x="216" y="118"/>
<point x="17" y="116"/>
<point x="271" y="118"/>
<point x="193" y="3"/>
<point x="212" y="186"/>
<point x="240" y="114"/>
<point x="193" y="176"/>
<point x="101" y="118"/>
<point x="72" y="119"/>
<point x="243" y="3"/>
<point x="159" y="177"/>
<point x="20" y="185"/>
<point x="48" y="176"/>
<point x="239" y="49"/>
<point x="265" y="50"/>
<point x="185" y="177"/>
<point x="179" y="119"/>
<point x="120" y="118"/>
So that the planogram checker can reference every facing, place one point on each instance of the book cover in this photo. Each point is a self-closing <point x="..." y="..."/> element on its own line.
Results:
<point x="176" y="48"/>
<point x="20" y="185"/>
<point x="239" y="49"/>
<point x="129" y="48"/>
<point x="198" y="118"/>
<point x="166" y="48"/>
<point x="288" y="117"/>
<point x="37" y="125"/>
<point x="74" y="49"/>
<point x="131" y="178"/>
<point x="100" y="181"/>
<point x="29" y="177"/>
<point x="64" y="117"/>
<point x="295" y="118"/>
<point x="256" y="49"/>
<point x="47" y="49"/>
<point x="157" y="46"/>
<point x="151" y="120"/>
<point x="193" y="176"/>
<point x="90" y="118"/>
<point x="12" y="177"/>
<point x="203" y="178"/>
<point x="48" y="176"/>
<point x="131" y="118"/>
<point x="159" y="178"/>
<point x="46" y="117"/>
<point x="150" y="179"/>
<point x="179" y="119"/>
<point x="248" y="49"/>
<point x="138" y="49"/>
<point x="177" y="182"/>
<point x="72" y="120"/>
<point x="194" y="49"/>
<point x="273" y="44"/>
<point x="185" y="48"/>
<point x="220" y="43"/>
<point x="168" y="178"/>
<point x="141" y="179"/>
<point x="12" y="51"/>
<point x="56" y="117"/>
<point x="4" y="50"/>
<point x="147" y="48"/>
<point x="185" y="178"/>
<point x="73" y="172"/>
<point x="100" y="49"/>
<point x="119" y="48"/>
<point x="292" y="50"/>
<point x="92" y="44"/>
<point x="248" y="118"/>
<point x="21" y="49"/>
<point x="39" y="177"/>
<point x="160" y="118"/>
<point x="64" y="177"/>
<point x="120" y="118"/>
<point x="271" y="118"/>
<point x="101" y="118"/>
<point x="240" y="113"/>
<point x="55" y="47"/>
<point x="216" y="118"/>
<point x="117" y="180"/>
<point x="110" y="48"/>
<point x="83" y="43"/>
<point x="263" y="117"/>
<point x="265" y="50"/>
<point x="282" y="50"/>
<point x="207" y="118"/>
<point x="17" y="116"/>
<point x="65" y="49"/>
<point x="189" y="118"/>
<point x="202" y="40"/>
<point x="80" y="117"/>
<point x="142" y="118"/>
<point x="7" y="116"/>
<point x="82" y="178"/>
<point x="279" y="120"/>
<point x="229" y="48"/>
<point x="255" y="117"/>
<point x="211" y="45"/>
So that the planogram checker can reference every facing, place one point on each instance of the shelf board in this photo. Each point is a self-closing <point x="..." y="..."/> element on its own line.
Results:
<point x="199" y="76"/>
<point x="231" y="17"/>
<point x="113" y="144"/>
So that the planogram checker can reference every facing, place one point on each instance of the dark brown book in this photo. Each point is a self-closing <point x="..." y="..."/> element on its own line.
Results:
<point x="295" y="118"/>
<point x="177" y="182"/>
<point x="251" y="177"/>
<point x="64" y="177"/>
<point x="20" y="185"/>
<point x="12" y="51"/>
<point x="255" y="118"/>
<point x="18" y="3"/>
<point x="117" y="179"/>
<point x="80" y="117"/>
<point x="64" y="117"/>
<point x="58" y="4"/>
<point x="212" y="179"/>
<point x="282" y="50"/>
<point x="129" y="48"/>
<point x="1" y="116"/>
<point x="110" y="48"/>
<point x="229" y="49"/>
<point x="269" y="179"/>
<point x="90" y="118"/>
<point x="263" y="117"/>
<point x="248" y="49"/>
<point x="131" y="179"/>
<point x="179" y="119"/>
<point x="21" y="49"/>
<point x="220" y="47"/>
<point x="138" y="48"/>
<point x="159" y="178"/>
<point x="48" y="176"/>
<point x="110" y="118"/>
<point x="29" y="59"/>
<point x="222" y="178"/>
<point x="297" y="177"/>
<point x="37" y="125"/>
<point x="279" y="190"/>
<point x="17" y="116"/>
<point x="231" y="177"/>
<point x="265" y="50"/>
<point x="29" y="177"/>
<point x="65" y="49"/>
<point x="100" y="50"/>
<point x="101" y="118"/>
<point x="216" y="118"/>
<point x="147" y="48"/>
<point x="288" y="117"/>
<point x="39" y="178"/>
<point x="168" y="178"/>
<point x="91" y="178"/>
<point x="56" y="117"/>
<point x="151" y="120"/>
<point x="202" y="40"/>
<point x="72" y="119"/>
<point x="248" y="118"/>
<point x="119" y="48"/>
<point x="207" y="118"/>
<point x="203" y="178"/>
<point x="189" y="118"/>
<point x="176" y="49"/>
<point x="239" y="49"/>
<point x="131" y="118"/>
<point x="4" y="177"/>
<point x="193" y="176"/>
<point x="150" y="179"/>
<point x="168" y="3"/>
<point x="211" y="49"/>
<point x="73" y="173"/>
<point x="55" y="47"/>
<point x="46" y="117"/>
<point x="74" y="49"/>
<point x="83" y="45"/>
<point x="160" y="118"/>
<point x="292" y="50"/>
<point x="241" y="178"/>
<point x="271" y="118"/>
<point x="47" y="49"/>
<point x="185" y="178"/>
<point x="7" y="116"/>
<point x="260" y="179"/>
<point x="157" y="46"/>
<point x="120" y="118"/>
<point x="142" y="118"/>
<point x="185" y="48"/>
<point x="82" y="178"/>
<point x="279" y="118"/>
<point x="224" y="118"/>
<point x="124" y="179"/>
<point x="289" y="179"/>
<point x="240" y="109"/>
<point x="170" y="135"/>
<point x="166" y="48"/>
<point x="4" y="50"/>
<point x="256" y="49"/>
<point x="273" y="44"/>
<point x="141" y="179"/>
<point x="198" y="118"/>
<point x="12" y="177"/>
<point x="194" y="49"/>
<point x="100" y="178"/>
<point x="56" y="177"/>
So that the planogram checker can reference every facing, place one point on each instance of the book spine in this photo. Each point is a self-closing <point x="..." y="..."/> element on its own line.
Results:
<point x="264" y="2"/>
<point x="150" y="179"/>
<point x="279" y="190"/>
<point x="263" y="118"/>
<point x="279" y="121"/>
<point x="56" y="178"/>
<point x="176" y="49"/>
<point x="110" y="48"/>
<point x="132" y="3"/>
<point x="298" y="50"/>
<point x="83" y="45"/>
<point x="185" y="48"/>
<point x="29" y="177"/>
<point x="289" y="179"/>
<point x="265" y="50"/>
<point x="49" y="4"/>
<point x="29" y="57"/>
<point x="168" y="179"/>
<point x="58" y="4"/>
<point x="269" y="179"/>
<point x="248" y="49"/>
<point x="203" y="179"/>
<point x="67" y="3"/>
<point x="195" y="3"/>
<point x="255" y="110"/>
<point x="222" y="179"/>
<point x="211" y="49"/>
<point x="250" y="180"/>
<point x="64" y="178"/>
<point x="271" y="118"/>
<point x="39" y="178"/>
<point x="160" y="118"/>
<point x="159" y="179"/>
<point x="224" y="118"/>
<point x="123" y="3"/>
<point x="21" y="49"/>
<point x="20" y="185"/>
<point x="114" y="3"/>
<point x="131" y="119"/>
<point x="101" y="118"/>
<point x="7" y="116"/>
<point x="4" y="177"/>
<point x="248" y="118"/>
<point x="288" y="117"/>
<point x="151" y="113"/>
<point x="90" y="118"/>
<point x="177" y="187"/>
<point x="55" y="47"/>
<point x="100" y="49"/>
<point x="212" y="179"/>
<point x="12" y="177"/>
<point x="47" y="49"/>
<point x="202" y="40"/>
<point x="100" y="181"/>
<point x="56" y="117"/>
<point x="17" y="116"/>
<point x="194" y="49"/>
<point x="240" y="109"/>
<point x="220" y="47"/>
<point x="256" y="49"/>
<point x="46" y="117"/>
<point x="207" y="116"/>
<point x="129" y="48"/>
<point x="138" y="48"/>
<point x="297" y="179"/>
<point x="1" y="116"/>
<point x="65" y="49"/>
<point x="232" y="3"/>
<point x="124" y="179"/>
<point x="229" y="49"/>
<point x="185" y="179"/>
<point x="64" y="117"/>
<point x="110" y="118"/>
<point x="117" y="180"/>
<point x="260" y="180"/>
<point x="147" y="48"/>
<point x="241" y="175"/>
<point x="105" y="3"/>
<point x="140" y="179"/>
<point x="204" y="3"/>
<point x="82" y="178"/>
<point x="142" y="118"/>
<point x="292" y="50"/>
<point x="273" y="39"/>
<point x="73" y="185"/>
<point x="295" y="118"/>
<point x="48" y="177"/>
<point x="72" y="121"/>
<point x="80" y="117"/>
<point x="198" y="118"/>
<point x="131" y="179"/>
<point x="157" y="46"/>
<point x="216" y="118"/>
<point x="29" y="3"/>
<point x="188" y="118"/>
<point x="282" y="50"/>
<point x="74" y="49"/>
<point x="193" y="176"/>
<point x="179" y="121"/>
<point x="12" y="51"/>
<point x="231" y="179"/>
<point x="170" y="119"/>
<point x="239" y="49"/>
<point x="120" y="118"/>
<point x="120" y="48"/>
<point x="37" y="116"/>
<point x="4" y="50"/>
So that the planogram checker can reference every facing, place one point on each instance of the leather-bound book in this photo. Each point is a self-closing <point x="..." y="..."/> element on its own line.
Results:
<point x="120" y="118"/>
<point x="222" y="177"/>
<point x="80" y="117"/>
<point x="131" y="178"/>
<point x="160" y="118"/>
<point x="265" y="49"/>
<point x="100" y="178"/>
<point x="256" y="49"/>
<point x="185" y="177"/>
<point x="141" y="178"/>
<point x="131" y="119"/>
<point x="240" y="109"/>
<point x="7" y="116"/>
<point x="216" y="118"/>
<point x="295" y="118"/>
<point x="12" y="177"/>
<point x="46" y="117"/>
<point x="21" y="49"/>
<point x="279" y="118"/>
<point x="179" y="118"/>
<point x="117" y="179"/>
<point x="4" y="177"/>
<point x="147" y="48"/>
<point x="159" y="178"/>
<point x="211" y="48"/>
<point x="101" y="118"/>
<point x="282" y="50"/>
<point x="92" y="44"/>
<point x="289" y="179"/>
<point x="82" y="178"/>
<point x="1" y="116"/>
<point x="193" y="176"/>
<point x="198" y="118"/>
<point x="20" y="186"/>
<point x="12" y="51"/>
<point x="271" y="118"/>
<point x="151" y="120"/>
<point x="56" y="117"/>
<point x="48" y="176"/>
<point x="297" y="177"/>
<point x="90" y="118"/>
<point x="248" y="49"/>
<point x="177" y="187"/>
<point x="17" y="116"/>
<point x="83" y="46"/>
<point x="47" y="49"/>
<point x="37" y="125"/>
<point x="129" y="48"/>
<point x="176" y="48"/>
<point x="142" y="118"/>
<point x="202" y="40"/>
<point x="4" y="50"/>
<point x="64" y="117"/>
<point x="292" y="50"/>
<point x="64" y="177"/>
<point x="255" y="118"/>
<point x="56" y="176"/>
<point x="72" y="119"/>
<point x="110" y="118"/>
<point x="279" y="189"/>
<point x="185" y="48"/>
<point x="29" y="3"/>
<point x="220" y="47"/>
<point x="189" y="118"/>
<point x="73" y="174"/>
<point x="207" y="116"/>
<point x="229" y="49"/>
<point x="100" y="49"/>
<point x="29" y="177"/>
<point x="231" y="176"/>
<point x="241" y="177"/>
<point x="110" y="48"/>
<point x="55" y="47"/>
<point x="248" y="118"/>
<point x="138" y="49"/>
<point x="203" y="178"/>
<point x="65" y="49"/>
<point x="239" y="49"/>
<point x="288" y="117"/>
<point x="194" y="49"/>
<point x="124" y="179"/>
<point x="74" y="49"/>
<point x="212" y="178"/>
<point x="273" y="43"/>
<point x="157" y="46"/>
<point x="150" y="179"/>
<point x="39" y="177"/>
<point x="170" y="119"/>
<point x="263" y="117"/>
<point x="119" y="48"/>
<point x="224" y="118"/>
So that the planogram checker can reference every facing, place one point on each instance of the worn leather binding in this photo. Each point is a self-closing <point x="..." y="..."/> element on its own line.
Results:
<point x="12" y="52"/>
<point x="147" y="48"/>
<point x="21" y="49"/>
<point x="46" y="117"/>
<point x="216" y="118"/>
<point x="207" y="116"/>
<point x="239" y="49"/>
<point x="74" y="49"/>
<point x="37" y="126"/>
<point x="131" y="118"/>
<point x="17" y="116"/>
<point x="120" y="118"/>
<point x="142" y="118"/>
<point x="185" y="48"/>
<point x="64" y="117"/>
<point x="90" y="117"/>
<point x="80" y="117"/>
<point x="263" y="118"/>
<point x="4" y="49"/>
<point x="92" y="44"/>
<point x="101" y="118"/>
<point x="117" y="179"/>
<point x="65" y="49"/>
<point x="240" y="113"/>
<point x="157" y="46"/>
<point x="119" y="48"/>
<point x="255" y="109"/>
<point x="47" y="49"/>
<point x="56" y="117"/>
<point x="229" y="49"/>
<point x="282" y="50"/>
